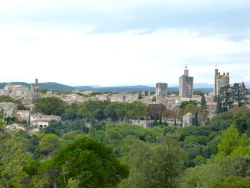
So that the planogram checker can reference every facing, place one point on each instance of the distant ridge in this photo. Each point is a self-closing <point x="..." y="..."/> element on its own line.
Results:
<point x="61" y="87"/>
<point x="47" y="85"/>
<point x="203" y="85"/>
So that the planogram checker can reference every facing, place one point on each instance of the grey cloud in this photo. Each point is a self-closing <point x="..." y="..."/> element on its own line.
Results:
<point x="224" y="19"/>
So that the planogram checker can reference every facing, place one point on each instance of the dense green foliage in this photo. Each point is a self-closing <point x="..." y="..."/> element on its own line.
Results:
<point x="12" y="159"/>
<point x="50" y="106"/>
<point x="43" y="91"/>
<point x="105" y="109"/>
<point x="198" y="93"/>
<point x="211" y="155"/>
<point x="155" y="167"/>
<point x="91" y="162"/>
<point x="230" y="97"/>
<point x="185" y="103"/>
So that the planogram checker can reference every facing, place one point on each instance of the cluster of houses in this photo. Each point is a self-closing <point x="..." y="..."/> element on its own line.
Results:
<point x="27" y="96"/>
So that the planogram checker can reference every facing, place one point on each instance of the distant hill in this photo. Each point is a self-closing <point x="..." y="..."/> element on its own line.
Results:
<point x="2" y="85"/>
<point x="55" y="86"/>
<point x="86" y="88"/>
<point x="47" y="85"/>
<point x="203" y="85"/>
<point x="205" y="90"/>
<point x="61" y="87"/>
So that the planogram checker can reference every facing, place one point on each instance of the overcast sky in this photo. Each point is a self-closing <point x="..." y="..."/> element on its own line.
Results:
<point x="123" y="42"/>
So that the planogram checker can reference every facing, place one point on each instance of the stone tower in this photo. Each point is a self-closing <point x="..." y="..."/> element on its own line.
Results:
<point x="35" y="89"/>
<point x="187" y="120"/>
<point x="220" y="81"/>
<point x="186" y="85"/>
<point x="161" y="89"/>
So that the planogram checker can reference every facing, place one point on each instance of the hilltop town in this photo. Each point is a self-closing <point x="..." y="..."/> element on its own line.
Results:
<point x="161" y="96"/>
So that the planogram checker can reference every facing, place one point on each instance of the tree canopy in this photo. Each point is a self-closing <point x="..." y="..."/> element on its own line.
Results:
<point x="50" y="105"/>
<point x="90" y="162"/>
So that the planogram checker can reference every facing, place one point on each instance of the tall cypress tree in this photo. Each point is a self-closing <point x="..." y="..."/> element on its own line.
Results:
<point x="196" y="119"/>
<point x="203" y="103"/>
<point x="140" y="96"/>
<point x="155" y="120"/>
<point x="160" y="119"/>
<point x="226" y="97"/>
<point x="239" y="95"/>
<point x="207" y="121"/>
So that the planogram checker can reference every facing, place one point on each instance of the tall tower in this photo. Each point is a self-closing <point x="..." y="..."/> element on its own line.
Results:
<point x="35" y="89"/>
<point x="161" y="89"/>
<point x="186" y="85"/>
<point x="220" y="81"/>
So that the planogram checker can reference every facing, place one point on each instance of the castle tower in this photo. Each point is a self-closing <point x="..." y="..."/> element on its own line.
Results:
<point x="35" y="89"/>
<point x="161" y="89"/>
<point x="220" y="81"/>
<point x="186" y="85"/>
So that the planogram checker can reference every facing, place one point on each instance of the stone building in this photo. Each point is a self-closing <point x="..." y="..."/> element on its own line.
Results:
<point x="26" y="95"/>
<point x="186" y="85"/>
<point x="220" y="81"/>
<point x="161" y="89"/>
<point x="146" y="93"/>
<point x="9" y="108"/>
<point x="23" y="115"/>
<point x="144" y="123"/>
<point x="187" y="119"/>
<point x="40" y="120"/>
<point x="211" y="108"/>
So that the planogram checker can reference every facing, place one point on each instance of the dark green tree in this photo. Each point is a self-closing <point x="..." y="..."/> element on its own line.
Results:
<point x="185" y="103"/>
<point x="155" y="120"/>
<point x="120" y="110"/>
<point x="50" y="105"/>
<point x="196" y="119"/>
<point x="110" y="112"/>
<point x="226" y="97"/>
<point x="160" y="118"/>
<point x="215" y="99"/>
<point x="139" y="95"/>
<point x="155" y="167"/>
<point x="79" y="125"/>
<point x="99" y="114"/>
<point x="70" y="115"/>
<point x="154" y="99"/>
<point x="53" y="128"/>
<point x="207" y="121"/>
<point x="12" y="158"/>
<point x="90" y="162"/>
<point x="203" y="103"/>
<point x="43" y="91"/>
<point x="219" y="108"/>
<point x="165" y="123"/>
<point x="239" y="95"/>
<point x="198" y="93"/>
<point x="90" y="108"/>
